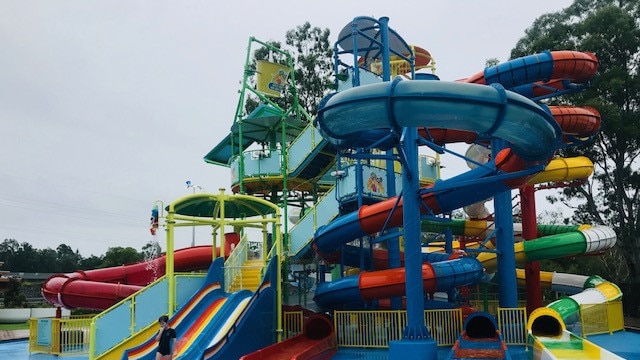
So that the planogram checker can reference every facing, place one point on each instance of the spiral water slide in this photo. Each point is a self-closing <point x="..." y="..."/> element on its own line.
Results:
<point x="457" y="109"/>
<point x="100" y="289"/>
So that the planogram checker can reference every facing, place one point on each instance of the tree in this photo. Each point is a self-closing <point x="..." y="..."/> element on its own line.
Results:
<point x="67" y="259"/>
<point x="8" y="250"/>
<point x="117" y="256"/>
<point x="13" y="296"/>
<point x="49" y="261"/>
<point x="611" y="30"/>
<point x="151" y="250"/>
<point x="92" y="262"/>
<point x="313" y="66"/>
<point x="312" y="53"/>
<point x="26" y="259"/>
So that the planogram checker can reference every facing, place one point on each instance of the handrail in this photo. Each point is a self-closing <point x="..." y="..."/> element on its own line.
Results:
<point x="235" y="261"/>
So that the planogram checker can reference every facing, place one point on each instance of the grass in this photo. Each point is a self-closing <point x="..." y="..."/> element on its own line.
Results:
<point x="21" y="326"/>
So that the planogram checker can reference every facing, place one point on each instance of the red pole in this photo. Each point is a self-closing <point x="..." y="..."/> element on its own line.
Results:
<point x="530" y="231"/>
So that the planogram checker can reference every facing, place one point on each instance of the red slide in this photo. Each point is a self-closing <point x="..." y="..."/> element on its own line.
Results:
<point x="100" y="289"/>
<point x="318" y="341"/>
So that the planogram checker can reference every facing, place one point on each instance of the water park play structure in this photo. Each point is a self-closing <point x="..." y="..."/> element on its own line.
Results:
<point x="350" y="193"/>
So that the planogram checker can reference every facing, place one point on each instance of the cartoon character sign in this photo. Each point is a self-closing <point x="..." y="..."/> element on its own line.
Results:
<point x="271" y="78"/>
<point x="375" y="183"/>
<point x="278" y="81"/>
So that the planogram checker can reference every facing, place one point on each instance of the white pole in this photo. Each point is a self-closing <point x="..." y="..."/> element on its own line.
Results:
<point x="193" y="228"/>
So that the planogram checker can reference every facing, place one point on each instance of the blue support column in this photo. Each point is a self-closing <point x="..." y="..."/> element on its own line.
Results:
<point x="386" y="54"/>
<point x="393" y="244"/>
<point x="508" y="291"/>
<point x="416" y="341"/>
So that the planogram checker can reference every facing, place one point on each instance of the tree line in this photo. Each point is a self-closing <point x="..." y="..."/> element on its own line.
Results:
<point x="23" y="257"/>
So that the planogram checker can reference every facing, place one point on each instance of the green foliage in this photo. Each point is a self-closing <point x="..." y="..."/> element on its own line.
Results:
<point x="313" y="66"/>
<point x="313" y="61"/>
<point x="151" y="250"/>
<point x="22" y="257"/>
<point x="92" y="262"/>
<point x="67" y="259"/>
<point x="117" y="256"/>
<point x="13" y="296"/>
<point x="611" y="30"/>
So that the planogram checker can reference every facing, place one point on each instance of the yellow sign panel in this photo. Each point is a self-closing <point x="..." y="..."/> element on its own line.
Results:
<point x="271" y="78"/>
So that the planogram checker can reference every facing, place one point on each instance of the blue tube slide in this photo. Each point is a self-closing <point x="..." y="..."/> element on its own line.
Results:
<point x="360" y="113"/>
<point x="352" y="115"/>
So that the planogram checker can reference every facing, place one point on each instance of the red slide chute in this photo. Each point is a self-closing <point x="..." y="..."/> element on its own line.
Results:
<point x="102" y="288"/>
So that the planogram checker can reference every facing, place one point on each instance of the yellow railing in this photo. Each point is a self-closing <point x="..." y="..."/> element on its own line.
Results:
<point x="601" y="318"/>
<point x="235" y="261"/>
<point x="444" y="325"/>
<point x="59" y="336"/>
<point x="491" y="305"/>
<point x="292" y="323"/>
<point x="374" y="329"/>
<point x="368" y="328"/>
<point x="512" y="324"/>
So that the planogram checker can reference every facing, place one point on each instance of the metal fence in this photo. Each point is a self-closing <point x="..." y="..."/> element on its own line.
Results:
<point x="292" y="323"/>
<point x="60" y="336"/>
<point x="512" y="324"/>
<point x="374" y="329"/>
<point x="601" y="318"/>
<point x="365" y="329"/>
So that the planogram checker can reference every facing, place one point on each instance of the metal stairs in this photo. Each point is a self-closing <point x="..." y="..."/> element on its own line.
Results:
<point x="249" y="276"/>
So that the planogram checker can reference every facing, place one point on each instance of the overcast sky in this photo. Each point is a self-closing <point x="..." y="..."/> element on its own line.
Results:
<point x="108" y="106"/>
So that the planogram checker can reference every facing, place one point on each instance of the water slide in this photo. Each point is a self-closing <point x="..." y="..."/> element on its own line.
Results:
<point x="550" y="328"/>
<point x="317" y="341"/>
<point x="347" y="120"/>
<point x="204" y="316"/>
<point x="357" y="116"/>
<point x="213" y="324"/>
<point x="480" y="339"/>
<point x="100" y="289"/>
<point x="203" y="320"/>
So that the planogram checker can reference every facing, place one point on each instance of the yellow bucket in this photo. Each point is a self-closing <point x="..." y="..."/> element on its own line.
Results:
<point x="271" y="78"/>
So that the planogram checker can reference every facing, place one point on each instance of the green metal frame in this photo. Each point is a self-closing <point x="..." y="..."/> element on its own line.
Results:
<point x="220" y="211"/>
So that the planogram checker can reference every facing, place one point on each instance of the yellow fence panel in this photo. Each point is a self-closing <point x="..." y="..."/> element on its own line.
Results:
<point x="59" y="336"/>
<point x="615" y="315"/>
<point x="512" y="324"/>
<point x="292" y="324"/>
<point x="601" y="318"/>
<point x="444" y="325"/>
<point x="491" y="306"/>
<point x="374" y="329"/>
<point x="368" y="328"/>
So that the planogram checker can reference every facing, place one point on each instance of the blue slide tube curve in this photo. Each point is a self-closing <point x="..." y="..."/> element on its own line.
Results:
<point x="349" y="116"/>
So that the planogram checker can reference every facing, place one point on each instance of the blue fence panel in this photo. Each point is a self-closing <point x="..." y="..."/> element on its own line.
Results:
<point x="187" y="286"/>
<point x="113" y="328"/>
<point x="302" y="146"/>
<point x="149" y="305"/>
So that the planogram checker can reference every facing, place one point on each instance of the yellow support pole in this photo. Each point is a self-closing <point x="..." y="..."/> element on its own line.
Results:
<point x="222" y="198"/>
<point x="279" y="257"/>
<point x="171" y="280"/>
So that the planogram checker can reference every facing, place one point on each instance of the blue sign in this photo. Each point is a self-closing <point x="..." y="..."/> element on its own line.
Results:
<point x="44" y="332"/>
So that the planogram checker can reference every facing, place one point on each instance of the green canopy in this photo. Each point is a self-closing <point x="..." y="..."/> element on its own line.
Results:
<point x="257" y="127"/>
<point x="207" y="205"/>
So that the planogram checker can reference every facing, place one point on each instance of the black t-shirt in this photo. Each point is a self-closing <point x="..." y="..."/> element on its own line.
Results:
<point x="164" y="345"/>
